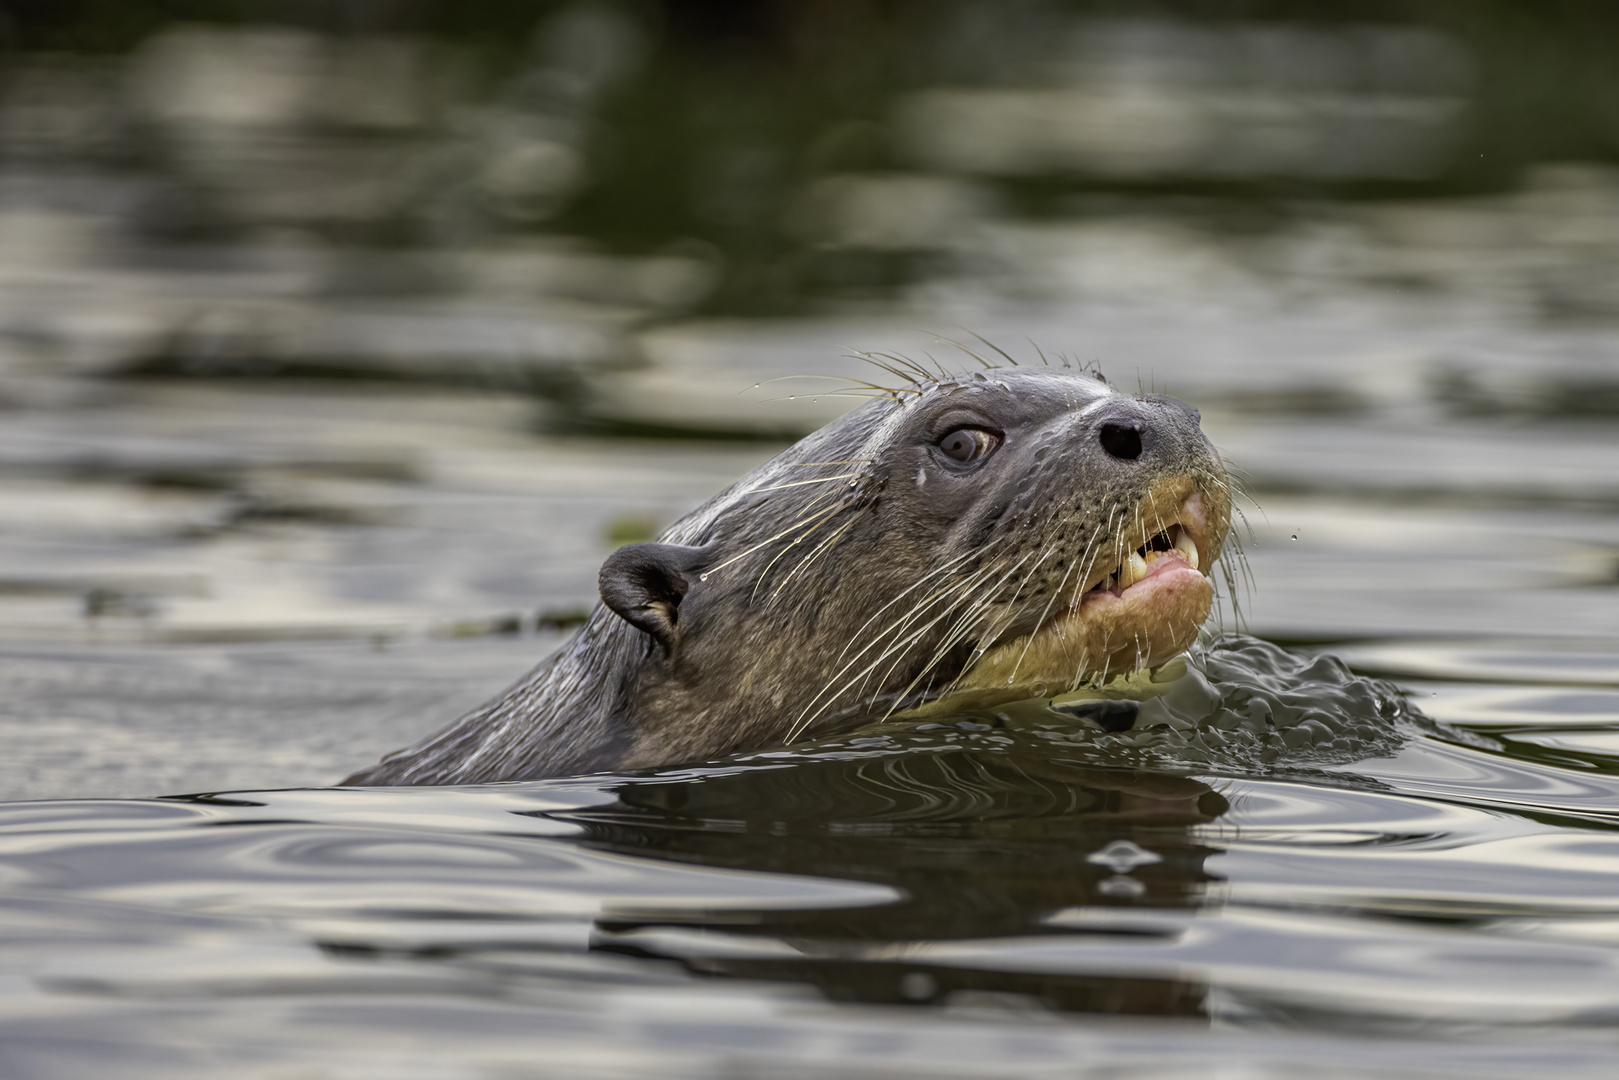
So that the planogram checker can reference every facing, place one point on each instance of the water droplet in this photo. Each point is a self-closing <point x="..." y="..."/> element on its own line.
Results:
<point x="702" y="577"/>
<point x="1295" y="536"/>
<point x="1122" y="856"/>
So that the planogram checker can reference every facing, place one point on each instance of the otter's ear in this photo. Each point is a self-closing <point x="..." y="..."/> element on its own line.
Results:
<point x="644" y="584"/>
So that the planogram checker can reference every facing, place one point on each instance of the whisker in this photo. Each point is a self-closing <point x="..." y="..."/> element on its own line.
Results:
<point x="807" y="464"/>
<point x="952" y="637"/>
<point x="945" y="375"/>
<point x="951" y="341"/>
<point x="872" y="358"/>
<point x="743" y="554"/>
<point x="856" y="394"/>
<point x="994" y="346"/>
<point x="905" y="362"/>
<point x="825" y="546"/>
<point x="898" y="647"/>
<point x="1058" y="592"/>
<point x="800" y="483"/>
<point x="836" y="378"/>
<point x="945" y="568"/>
<point x="1029" y="638"/>
<point x="794" y="542"/>
<point x="811" y="713"/>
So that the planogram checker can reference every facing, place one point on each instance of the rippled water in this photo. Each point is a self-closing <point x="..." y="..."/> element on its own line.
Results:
<point x="331" y="369"/>
<point x="1281" y="864"/>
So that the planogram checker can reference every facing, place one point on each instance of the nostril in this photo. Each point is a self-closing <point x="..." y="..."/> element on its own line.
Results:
<point x="1122" y="442"/>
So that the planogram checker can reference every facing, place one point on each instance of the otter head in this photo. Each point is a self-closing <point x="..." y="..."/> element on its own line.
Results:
<point x="999" y="535"/>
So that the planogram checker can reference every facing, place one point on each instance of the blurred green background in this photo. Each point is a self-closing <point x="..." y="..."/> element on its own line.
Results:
<point x="703" y="128"/>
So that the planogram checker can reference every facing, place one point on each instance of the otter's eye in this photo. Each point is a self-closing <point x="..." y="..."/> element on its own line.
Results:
<point x="969" y="444"/>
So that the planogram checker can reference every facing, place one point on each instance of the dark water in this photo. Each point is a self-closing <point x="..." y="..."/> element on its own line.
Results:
<point x="1282" y="864"/>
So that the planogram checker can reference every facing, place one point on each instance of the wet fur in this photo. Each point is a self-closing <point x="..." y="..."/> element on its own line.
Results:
<point x="853" y="576"/>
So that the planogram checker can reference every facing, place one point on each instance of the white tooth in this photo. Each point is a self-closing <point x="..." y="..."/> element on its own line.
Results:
<point x="1185" y="545"/>
<point x="1135" y="568"/>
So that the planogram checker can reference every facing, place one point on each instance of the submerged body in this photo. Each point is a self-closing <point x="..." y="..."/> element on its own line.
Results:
<point x="957" y="542"/>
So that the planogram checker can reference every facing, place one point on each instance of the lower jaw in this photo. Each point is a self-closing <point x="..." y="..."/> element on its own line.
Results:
<point x="1098" y="638"/>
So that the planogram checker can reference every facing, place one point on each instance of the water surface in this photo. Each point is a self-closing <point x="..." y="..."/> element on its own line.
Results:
<point x="990" y="895"/>
<point x="329" y="377"/>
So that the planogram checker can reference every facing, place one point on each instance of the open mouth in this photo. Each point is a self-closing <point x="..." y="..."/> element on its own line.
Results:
<point x="1145" y="609"/>
<point x="1167" y="551"/>
<point x="1171" y="558"/>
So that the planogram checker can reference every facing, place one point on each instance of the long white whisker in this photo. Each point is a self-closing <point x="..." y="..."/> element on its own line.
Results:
<point x="744" y="554"/>
<point x="940" y="653"/>
<point x="808" y="560"/>
<point x="1084" y="558"/>
<point x="801" y="483"/>
<point x="898" y="626"/>
<point x="945" y="568"/>
<point x="794" y="542"/>
<point x="959" y="588"/>
<point x="951" y="638"/>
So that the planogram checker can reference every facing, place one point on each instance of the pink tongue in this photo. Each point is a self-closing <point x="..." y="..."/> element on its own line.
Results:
<point x="1166" y="561"/>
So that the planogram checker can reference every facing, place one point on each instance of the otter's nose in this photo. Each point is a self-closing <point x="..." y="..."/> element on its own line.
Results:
<point x="1123" y="441"/>
<point x="1129" y="428"/>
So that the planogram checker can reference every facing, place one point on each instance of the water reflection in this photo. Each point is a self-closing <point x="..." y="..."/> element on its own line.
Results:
<point x="1423" y="888"/>
<point x="972" y="844"/>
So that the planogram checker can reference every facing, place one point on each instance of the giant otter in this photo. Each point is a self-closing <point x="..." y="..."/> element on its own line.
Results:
<point x="958" y="541"/>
